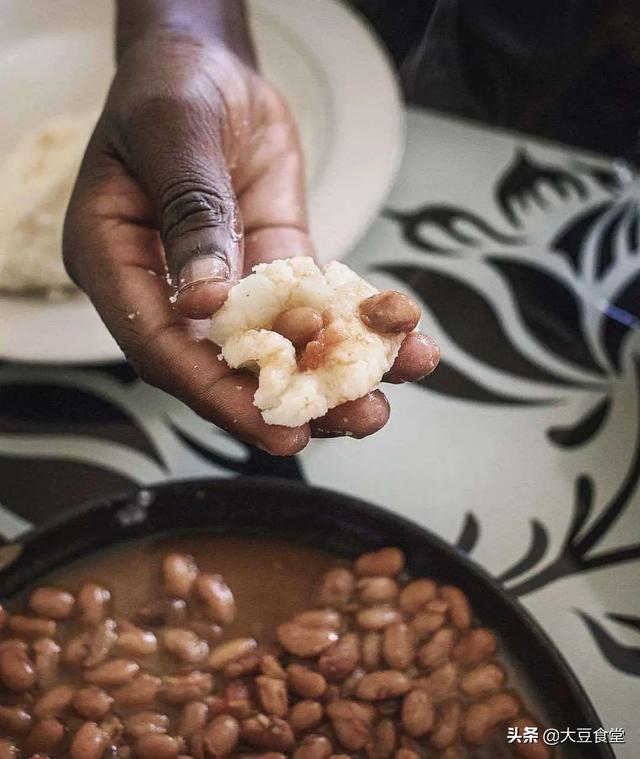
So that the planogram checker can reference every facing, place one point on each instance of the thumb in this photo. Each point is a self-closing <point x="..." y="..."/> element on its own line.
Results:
<point x="175" y="150"/>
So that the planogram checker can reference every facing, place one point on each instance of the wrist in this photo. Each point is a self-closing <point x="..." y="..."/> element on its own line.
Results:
<point x="222" y="22"/>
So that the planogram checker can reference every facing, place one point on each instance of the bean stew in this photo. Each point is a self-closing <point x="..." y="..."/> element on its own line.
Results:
<point x="215" y="647"/>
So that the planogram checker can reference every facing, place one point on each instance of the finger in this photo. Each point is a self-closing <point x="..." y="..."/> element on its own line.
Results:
<point x="174" y="149"/>
<point x="418" y="356"/>
<point x="272" y="196"/>
<point x="359" y="418"/>
<point x="118" y="264"/>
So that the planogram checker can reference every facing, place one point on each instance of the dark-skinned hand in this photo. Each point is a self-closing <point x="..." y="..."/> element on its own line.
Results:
<point x="193" y="175"/>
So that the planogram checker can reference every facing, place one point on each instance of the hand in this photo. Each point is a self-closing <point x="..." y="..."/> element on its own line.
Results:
<point x="193" y="175"/>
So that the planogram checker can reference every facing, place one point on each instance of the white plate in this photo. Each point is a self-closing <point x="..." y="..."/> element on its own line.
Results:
<point x="325" y="61"/>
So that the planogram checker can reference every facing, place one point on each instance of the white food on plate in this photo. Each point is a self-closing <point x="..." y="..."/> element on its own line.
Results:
<point x="36" y="180"/>
<point x="351" y="368"/>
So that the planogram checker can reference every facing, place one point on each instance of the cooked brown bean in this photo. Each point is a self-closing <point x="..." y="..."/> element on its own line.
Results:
<point x="101" y="642"/>
<point x="268" y="732"/>
<point x="273" y="695"/>
<point x="383" y="684"/>
<point x="17" y="672"/>
<point x="92" y="703"/>
<point x="416" y="594"/>
<point x="51" y="602"/>
<point x="390" y="312"/>
<point x="45" y="737"/>
<point x="156" y="746"/>
<point x="229" y="651"/>
<point x="300" y="325"/>
<point x="336" y="588"/>
<point x="8" y="750"/>
<point x="32" y="627"/>
<point x="386" y="562"/>
<point x="179" y="572"/>
<point x="193" y="718"/>
<point x="163" y="611"/>
<point x="219" y="738"/>
<point x="271" y="667"/>
<point x="385" y="738"/>
<point x="340" y="659"/>
<point x="475" y="647"/>
<point x="92" y="603"/>
<point x="139" y="693"/>
<point x="378" y="617"/>
<point x="446" y="729"/>
<point x="306" y="642"/>
<point x="89" y="742"/>
<point x="238" y="700"/>
<point x="179" y="689"/>
<point x="534" y="750"/>
<point x="425" y="623"/>
<point x="437" y="606"/>
<point x="53" y="702"/>
<point x="441" y="683"/>
<point x="185" y="644"/>
<point x="137" y="725"/>
<point x="377" y="590"/>
<point x="417" y="713"/>
<point x="371" y="650"/>
<point x="47" y="660"/>
<point x="328" y="618"/>
<point x="113" y="727"/>
<point x="217" y="598"/>
<point x="351" y="722"/>
<point x="306" y="682"/>
<point x="305" y="715"/>
<point x="314" y="747"/>
<point x="482" y="718"/>
<point x="483" y="680"/>
<point x="112" y="672"/>
<point x="247" y="665"/>
<point x="76" y="649"/>
<point x="407" y="753"/>
<point x="134" y="641"/>
<point x="14" y="720"/>
<point x="398" y="646"/>
<point x="459" y="608"/>
<point x="438" y="649"/>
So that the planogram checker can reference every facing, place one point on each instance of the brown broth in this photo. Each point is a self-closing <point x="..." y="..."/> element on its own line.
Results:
<point x="271" y="578"/>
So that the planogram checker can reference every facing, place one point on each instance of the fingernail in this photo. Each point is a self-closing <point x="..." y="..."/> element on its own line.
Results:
<point x="210" y="268"/>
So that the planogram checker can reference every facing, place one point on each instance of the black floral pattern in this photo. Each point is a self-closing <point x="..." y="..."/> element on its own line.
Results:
<point x="579" y="301"/>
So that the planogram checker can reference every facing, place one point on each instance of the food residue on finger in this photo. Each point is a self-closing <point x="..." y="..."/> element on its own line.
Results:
<point x="315" y="337"/>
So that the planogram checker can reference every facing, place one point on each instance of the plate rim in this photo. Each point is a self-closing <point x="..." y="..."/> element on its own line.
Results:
<point x="294" y="20"/>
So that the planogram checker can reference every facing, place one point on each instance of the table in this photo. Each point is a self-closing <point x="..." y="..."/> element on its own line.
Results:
<point x="523" y="448"/>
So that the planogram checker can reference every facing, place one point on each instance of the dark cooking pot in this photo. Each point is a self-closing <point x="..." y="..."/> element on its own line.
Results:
<point x="323" y="519"/>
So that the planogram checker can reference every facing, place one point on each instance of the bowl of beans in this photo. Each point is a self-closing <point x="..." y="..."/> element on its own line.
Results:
<point x="258" y="619"/>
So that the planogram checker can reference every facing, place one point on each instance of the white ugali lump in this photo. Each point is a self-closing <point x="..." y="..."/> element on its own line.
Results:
<point x="36" y="180"/>
<point x="349" y="369"/>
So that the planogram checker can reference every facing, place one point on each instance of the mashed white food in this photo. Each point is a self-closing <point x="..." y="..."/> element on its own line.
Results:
<point x="36" y="180"/>
<point x="351" y="367"/>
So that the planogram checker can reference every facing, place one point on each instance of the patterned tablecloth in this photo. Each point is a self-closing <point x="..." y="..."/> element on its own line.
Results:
<point x="523" y="448"/>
